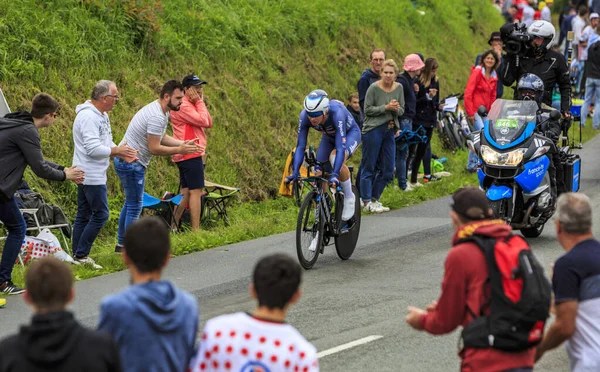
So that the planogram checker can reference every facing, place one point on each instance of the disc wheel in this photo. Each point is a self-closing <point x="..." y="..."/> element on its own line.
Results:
<point x="309" y="231"/>
<point x="345" y="242"/>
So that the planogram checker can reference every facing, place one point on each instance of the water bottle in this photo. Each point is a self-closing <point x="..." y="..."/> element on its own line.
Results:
<point x="442" y="160"/>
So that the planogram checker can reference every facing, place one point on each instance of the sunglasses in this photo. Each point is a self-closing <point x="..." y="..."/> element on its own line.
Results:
<point x="315" y="114"/>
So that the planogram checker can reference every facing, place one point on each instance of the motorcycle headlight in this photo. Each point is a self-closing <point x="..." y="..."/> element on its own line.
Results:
<point x="492" y="157"/>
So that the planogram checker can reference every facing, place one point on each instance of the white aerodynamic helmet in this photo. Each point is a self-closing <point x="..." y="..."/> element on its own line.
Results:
<point x="316" y="103"/>
<point x="543" y="29"/>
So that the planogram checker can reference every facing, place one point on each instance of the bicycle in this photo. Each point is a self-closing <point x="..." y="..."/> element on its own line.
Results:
<point x="453" y="127"/>
<point x="317" y="224"/>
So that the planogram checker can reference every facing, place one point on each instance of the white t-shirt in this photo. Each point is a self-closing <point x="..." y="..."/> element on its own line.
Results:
<point x="149" y="120"/>
<point x="241" y="342"/>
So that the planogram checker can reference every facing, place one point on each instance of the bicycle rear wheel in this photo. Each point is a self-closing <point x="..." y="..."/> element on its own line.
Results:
<point x="345" y="242"/>
<point x="453" y="127"/>
<point x="309" y="231"/>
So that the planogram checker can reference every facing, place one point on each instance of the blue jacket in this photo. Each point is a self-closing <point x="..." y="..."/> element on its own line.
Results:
<point x="154" y="325"/>
<point x="410" y="100"/>
<point x="367" y="78"/>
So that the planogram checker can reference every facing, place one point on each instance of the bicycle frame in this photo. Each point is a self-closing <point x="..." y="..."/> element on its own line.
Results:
<point x="316" y="183"/>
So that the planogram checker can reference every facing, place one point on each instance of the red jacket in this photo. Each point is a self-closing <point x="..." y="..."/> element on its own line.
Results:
<point x="480" y="91"/>
<point x="189" y="123"/>
<point x="465" y="275"/>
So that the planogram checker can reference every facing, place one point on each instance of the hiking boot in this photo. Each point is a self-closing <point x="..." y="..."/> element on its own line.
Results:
<point x="9" y="288"/>
<point x="87" y="260"/>
<point x="118" y="248"/>
<point x="430" y="178"/>
<point x="348" y="210"/>
<point x="384" y="209"/>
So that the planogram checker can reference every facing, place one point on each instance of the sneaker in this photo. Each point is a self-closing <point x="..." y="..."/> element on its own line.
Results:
<point x="408" y="187"/>
<point x="118" y="248"/>
<point x="378" y="203"/>
<point x="314" y="243"/>
<point x="9" y="288"/>
<point x="372" y="207"/>
<point x="416" y="184"/>
<point x="348" y="210"/>
<point x="88" y="261"/>
<point x="430" y="178"/>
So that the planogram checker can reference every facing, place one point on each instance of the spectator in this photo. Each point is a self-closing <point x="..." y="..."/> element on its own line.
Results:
<point x="575" y="284"/>
<point x="546" y="11"/>
<point x="510" y="15"/>
<point x="428" y="105"/>
<point x="260" y="341"/>
<point x="592" y="86"/>
<point x="384" y="104"/>
<point x="578" y="24"/>
<point x="55" y="341"/>
<point x="189" y="123"/>
<point x="94" y="146"/>
<point x="570" y="8"/>
<point x="480" y="91"/>
<point x="412" y="67"/>
<point x="146" y="133"/>
<point x="466" y="285"/>
<point x="369" y="76"/>
<point x="496" y="44"/>
<point x="20" y="147"/>
<point x="528" y="12"/>
<point x="565" y="26"/>
<point x="353" y="107"/>
<point x="153" y="322"/>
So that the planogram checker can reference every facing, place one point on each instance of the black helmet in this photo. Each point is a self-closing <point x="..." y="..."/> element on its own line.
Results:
<point x="530" y="87"/>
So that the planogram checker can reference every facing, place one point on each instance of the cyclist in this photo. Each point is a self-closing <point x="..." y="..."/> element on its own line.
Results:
<point x="341" y="135"/>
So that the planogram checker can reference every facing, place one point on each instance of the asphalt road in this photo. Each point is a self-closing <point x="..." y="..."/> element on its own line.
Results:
<point x="363" y="301"/>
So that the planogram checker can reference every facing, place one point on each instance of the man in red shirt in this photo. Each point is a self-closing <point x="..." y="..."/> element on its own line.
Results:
<point x="465" y="288"/>
<point x="189" y="123"/>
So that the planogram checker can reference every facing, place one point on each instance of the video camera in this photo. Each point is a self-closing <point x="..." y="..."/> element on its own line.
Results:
<point x="515" y="38"/>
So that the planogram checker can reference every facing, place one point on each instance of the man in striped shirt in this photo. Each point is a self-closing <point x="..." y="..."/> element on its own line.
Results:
<point x="146" y="134"/>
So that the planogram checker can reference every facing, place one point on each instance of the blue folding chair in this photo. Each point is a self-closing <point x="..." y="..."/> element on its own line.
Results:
<point x="161" y="208"/>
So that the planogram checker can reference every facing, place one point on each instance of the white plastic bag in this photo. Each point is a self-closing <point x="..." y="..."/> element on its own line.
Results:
<point x="54" y="244"/>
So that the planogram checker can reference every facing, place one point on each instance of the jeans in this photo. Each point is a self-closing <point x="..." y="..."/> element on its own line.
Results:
<point x="592" y="92"/>
<point x="402" y="155"/>
<point x="378" y="153"/>
<point x="473" y="159"/>
<point x="92" y="214"/>
<point x="132" y="177"/>
<point x="14" y="222"/>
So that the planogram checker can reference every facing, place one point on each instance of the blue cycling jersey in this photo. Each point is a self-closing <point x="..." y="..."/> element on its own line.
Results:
<point x="339" y="122"/>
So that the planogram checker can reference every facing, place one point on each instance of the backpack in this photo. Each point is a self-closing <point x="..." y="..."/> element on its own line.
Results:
<point x="519" y="301"/>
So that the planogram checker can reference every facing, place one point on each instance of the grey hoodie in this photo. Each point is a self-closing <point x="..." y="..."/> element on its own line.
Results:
<point x="93" y="142"/>
<point x="20" y="147"/>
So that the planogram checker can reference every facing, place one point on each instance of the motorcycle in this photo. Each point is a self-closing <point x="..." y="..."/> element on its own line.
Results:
<point x="514" y="164"/>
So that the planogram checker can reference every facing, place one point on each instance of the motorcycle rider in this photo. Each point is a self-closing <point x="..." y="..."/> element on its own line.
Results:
<point x="531" y="87"/>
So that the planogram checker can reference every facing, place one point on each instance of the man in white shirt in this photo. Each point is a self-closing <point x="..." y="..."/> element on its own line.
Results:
<point x="546" y="12"/>
<point x="578" y="23"/>
<point x="260" y="341"/>
<point x="94" y="146"/>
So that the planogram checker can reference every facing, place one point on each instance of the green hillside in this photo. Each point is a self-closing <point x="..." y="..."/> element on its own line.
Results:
<point x="260" y="57"/>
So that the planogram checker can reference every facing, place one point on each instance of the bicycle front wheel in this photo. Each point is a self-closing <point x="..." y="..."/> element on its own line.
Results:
<point x="309" y="231"/>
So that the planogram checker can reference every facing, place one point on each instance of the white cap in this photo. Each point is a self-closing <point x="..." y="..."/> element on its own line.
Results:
<point x="594" y="15"/>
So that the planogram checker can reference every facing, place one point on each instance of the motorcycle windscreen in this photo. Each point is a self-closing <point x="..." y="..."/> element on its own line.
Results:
<point x="508" y="119"/>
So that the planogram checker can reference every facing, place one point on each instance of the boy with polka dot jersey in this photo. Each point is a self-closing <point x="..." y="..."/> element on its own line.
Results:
<point x="260" y="341"/>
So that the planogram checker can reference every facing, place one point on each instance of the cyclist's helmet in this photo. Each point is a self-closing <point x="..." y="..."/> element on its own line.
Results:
<point x="316" y="103"/>
<point x="530" y="87"/>
<point x="542" y="29"/>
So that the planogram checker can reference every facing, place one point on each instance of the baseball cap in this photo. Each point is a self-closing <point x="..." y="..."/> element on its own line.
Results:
<point x="495" y="36"/>
<point x="471" y="203"/>
<point x="192" y="80"/>
<point x="594" y="15"/>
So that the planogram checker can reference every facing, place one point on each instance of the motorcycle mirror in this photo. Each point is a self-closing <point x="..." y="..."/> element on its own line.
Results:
<point x="482" y="111"/>
<point x="555" y="115"/>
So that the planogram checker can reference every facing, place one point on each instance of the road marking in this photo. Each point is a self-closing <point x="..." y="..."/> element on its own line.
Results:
<point x="347" y="346"/>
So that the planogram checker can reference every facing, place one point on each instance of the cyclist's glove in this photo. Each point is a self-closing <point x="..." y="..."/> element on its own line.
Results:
<point x="334" y="180"/>
<point x="292" y="178"/>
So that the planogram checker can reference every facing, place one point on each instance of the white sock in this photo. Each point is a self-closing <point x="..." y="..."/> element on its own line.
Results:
<point x="347" y="187"/>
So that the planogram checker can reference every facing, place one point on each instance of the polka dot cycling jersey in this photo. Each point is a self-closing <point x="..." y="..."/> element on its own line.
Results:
<point x="242" y="343"/>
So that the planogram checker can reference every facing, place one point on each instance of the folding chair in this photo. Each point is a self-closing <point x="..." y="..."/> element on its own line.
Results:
<point x="217" y="199"/>
<point x="160" y="208"/>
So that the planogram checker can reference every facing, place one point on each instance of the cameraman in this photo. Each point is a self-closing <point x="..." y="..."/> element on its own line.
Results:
<point x="531" y="53"/>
